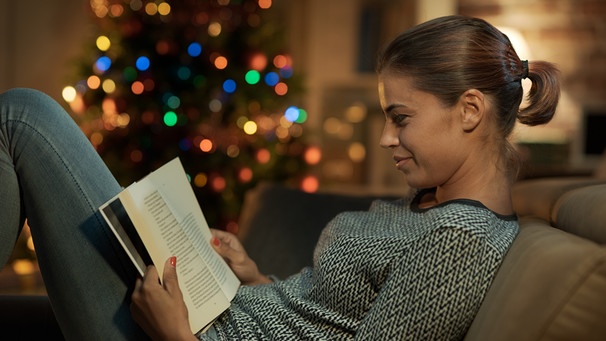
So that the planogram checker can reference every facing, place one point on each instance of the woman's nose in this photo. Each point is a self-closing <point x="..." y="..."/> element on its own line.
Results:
<point x="389" y="137"/>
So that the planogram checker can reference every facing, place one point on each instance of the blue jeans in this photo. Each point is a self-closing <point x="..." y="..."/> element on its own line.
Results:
<point x="51" y="175"/>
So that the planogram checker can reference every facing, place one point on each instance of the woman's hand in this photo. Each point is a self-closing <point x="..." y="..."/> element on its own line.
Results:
<point x="230" y="248"/>
<point x="159" y="308"/>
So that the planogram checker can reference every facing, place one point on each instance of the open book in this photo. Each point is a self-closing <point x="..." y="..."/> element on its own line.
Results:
<point x="159" y="217"/>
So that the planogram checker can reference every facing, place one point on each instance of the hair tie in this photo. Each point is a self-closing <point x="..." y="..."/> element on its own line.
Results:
<point x="524" y="69"/>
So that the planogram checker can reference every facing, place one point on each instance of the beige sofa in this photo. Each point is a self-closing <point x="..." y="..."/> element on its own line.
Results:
<point x="551" y="285"/>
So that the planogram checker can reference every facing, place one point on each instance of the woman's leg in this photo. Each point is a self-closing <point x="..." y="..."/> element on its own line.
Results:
<point x="51" y="175"/>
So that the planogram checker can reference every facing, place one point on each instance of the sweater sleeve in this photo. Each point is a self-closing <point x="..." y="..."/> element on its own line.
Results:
<point x="434" y="290"/>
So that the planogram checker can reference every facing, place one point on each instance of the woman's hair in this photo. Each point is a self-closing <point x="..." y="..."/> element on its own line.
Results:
<point x="450" y="55"/>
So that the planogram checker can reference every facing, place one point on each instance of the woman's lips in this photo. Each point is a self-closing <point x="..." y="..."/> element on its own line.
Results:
<point x="401" y="161"/>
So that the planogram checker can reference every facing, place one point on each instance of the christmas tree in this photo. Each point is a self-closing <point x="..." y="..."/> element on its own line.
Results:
<point x="207" y="81"/>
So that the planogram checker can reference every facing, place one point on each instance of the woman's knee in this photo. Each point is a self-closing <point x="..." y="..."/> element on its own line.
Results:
<point x="31" y="106"/>
<point x="24" y="95"/>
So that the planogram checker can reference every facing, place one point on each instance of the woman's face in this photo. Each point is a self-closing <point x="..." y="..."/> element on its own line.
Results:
<point x="427" y="143"/>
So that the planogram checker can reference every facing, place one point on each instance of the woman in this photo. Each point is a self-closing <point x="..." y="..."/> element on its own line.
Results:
<point x="417" y="268"/>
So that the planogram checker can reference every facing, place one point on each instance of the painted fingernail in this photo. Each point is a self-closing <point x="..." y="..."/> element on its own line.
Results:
<point x="216" y="241"/>
<point x="173" y="261"/>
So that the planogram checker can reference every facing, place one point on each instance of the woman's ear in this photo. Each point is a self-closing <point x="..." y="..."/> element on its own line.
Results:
<point x="473" y="108"/>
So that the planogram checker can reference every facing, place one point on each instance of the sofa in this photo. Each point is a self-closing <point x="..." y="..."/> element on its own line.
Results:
<point x="551" y="285"/>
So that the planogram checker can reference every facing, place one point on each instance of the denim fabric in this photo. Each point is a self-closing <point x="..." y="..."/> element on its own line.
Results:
<point x="51" y="176"/>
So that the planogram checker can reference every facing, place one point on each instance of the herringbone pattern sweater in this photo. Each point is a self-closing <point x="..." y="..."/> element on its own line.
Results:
<point x="395" y="272"/>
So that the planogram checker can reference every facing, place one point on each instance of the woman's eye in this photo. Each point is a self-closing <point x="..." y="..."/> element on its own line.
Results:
<point x="398" y="119"/>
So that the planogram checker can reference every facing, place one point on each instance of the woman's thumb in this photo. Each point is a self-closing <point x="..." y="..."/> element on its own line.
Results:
<point x="169" y="277"/>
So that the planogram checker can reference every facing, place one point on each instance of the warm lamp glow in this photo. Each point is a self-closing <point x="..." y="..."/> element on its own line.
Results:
<point x="265" y="4"/>
<point x="77" y="105"/>
<point x="522" y="49"/>
<point x="218" y="183"/>
<point x="23" y="267"/>
<point x="164" y="8"/>
<point x="116" y="10"/>
<point x="518" y="42"/>
<point x="310" y="184"/>
<point x="93" y="82"/>
<point x="313" y="155"/>
<point x="258" y="62"/>
<point x="136" y="155"/>
<point x="280" y="61"/>
<point x="220" y="62"/>
<point x="281" y="89"/>
<point x="108" y="86"/>
<point x="137" y="88"/>
<point x="214" y="29"/>
<point x="206" y="145"/>
<point x="250" y="127"/>
<point x="69" y="93"/>
<point x="263" y="156"/>
<point x="96" y="138"/>
<point x="200" y="180"/>
<point x="151" y="8"/>
<point x="103" y="43"/>
<point x="356" y="113"/>
<point x="245" y="174"/>
<point x="233" y="151"/>
<point x="357" y="152"/>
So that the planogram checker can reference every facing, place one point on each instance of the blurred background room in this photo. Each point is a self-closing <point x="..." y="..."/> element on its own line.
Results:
<point x="247" y="91"/>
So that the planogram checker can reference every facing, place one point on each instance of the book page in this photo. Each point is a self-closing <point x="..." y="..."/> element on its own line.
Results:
<point x="194" y="275"/>
<point x="223" y="274"/>
<point x="174" y="187"/>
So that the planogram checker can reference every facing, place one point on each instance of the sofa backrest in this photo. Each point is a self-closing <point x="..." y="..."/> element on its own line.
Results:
<point x="279" y="226"/>
<point x="550" y="286"/>
<point x="552" y="283"/>
<point x="582" y="212"/>
<point x="537" y="197"/>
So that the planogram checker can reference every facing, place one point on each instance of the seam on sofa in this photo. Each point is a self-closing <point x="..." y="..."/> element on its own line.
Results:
<point x="599" y="260"/>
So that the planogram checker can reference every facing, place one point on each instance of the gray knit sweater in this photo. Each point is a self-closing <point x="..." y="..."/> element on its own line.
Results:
<point x="395" y="272"/>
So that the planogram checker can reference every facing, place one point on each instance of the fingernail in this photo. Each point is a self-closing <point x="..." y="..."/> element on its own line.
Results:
<point x="173" y="261"/>
<point x="216" y="241"/>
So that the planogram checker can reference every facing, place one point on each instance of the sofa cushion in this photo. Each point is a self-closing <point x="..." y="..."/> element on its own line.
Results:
<point x="551" y="286"/>
<point x="582" y="212"/>
<point x="537" y="197"/>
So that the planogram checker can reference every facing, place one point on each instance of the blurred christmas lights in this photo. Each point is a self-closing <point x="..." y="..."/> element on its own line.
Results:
<point x="220" y="96"/>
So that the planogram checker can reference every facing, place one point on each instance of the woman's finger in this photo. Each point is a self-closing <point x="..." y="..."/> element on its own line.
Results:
<point x="170" y="279"/>
<point x="151" y="275"/>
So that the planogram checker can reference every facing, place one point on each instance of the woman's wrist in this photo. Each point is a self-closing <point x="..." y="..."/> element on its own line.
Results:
<point x="259" y="279"/>
<point x="264" y="279"/>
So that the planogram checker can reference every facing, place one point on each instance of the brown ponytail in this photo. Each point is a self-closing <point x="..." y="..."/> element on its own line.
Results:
<point x="543" y="96"/>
